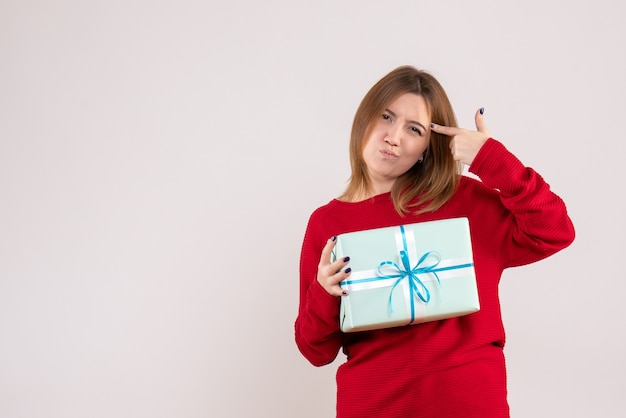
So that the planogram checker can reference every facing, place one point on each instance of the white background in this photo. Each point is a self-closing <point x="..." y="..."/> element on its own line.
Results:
<point x="159" y="161"/>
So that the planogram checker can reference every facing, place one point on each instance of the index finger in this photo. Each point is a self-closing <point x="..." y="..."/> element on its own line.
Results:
<point x="445" y="130"/>
<point x="327" y="250"/>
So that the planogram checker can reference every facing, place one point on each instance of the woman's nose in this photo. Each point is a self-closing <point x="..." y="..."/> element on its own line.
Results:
<point x="393" y="137"/>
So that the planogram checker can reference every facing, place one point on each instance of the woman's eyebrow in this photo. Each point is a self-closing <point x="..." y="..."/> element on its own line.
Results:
<point x="391" y="112"/>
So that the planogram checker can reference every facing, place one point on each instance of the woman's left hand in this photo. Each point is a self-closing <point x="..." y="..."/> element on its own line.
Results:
<point x="465" y="144"/>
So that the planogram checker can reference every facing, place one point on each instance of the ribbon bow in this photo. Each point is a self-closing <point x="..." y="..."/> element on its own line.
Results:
<point x="416" y="286"/>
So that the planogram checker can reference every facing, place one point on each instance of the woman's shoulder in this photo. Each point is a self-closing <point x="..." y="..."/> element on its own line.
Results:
<point x="473" y="196"/>
<point x="343" y="216"/>
<point x="470" y="184"/>
<point x="330" y="209"/>
<point x="329" y="206"/>
<point x="338" y="205"/>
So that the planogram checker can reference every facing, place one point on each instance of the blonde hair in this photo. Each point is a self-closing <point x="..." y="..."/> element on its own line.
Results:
<point x="428" y="184"/>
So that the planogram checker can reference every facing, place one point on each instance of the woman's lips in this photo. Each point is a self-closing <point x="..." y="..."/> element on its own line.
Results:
<point x="388" y="154"/>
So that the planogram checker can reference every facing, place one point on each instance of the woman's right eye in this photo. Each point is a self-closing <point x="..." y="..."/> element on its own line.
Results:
<point x="385" y="116"/>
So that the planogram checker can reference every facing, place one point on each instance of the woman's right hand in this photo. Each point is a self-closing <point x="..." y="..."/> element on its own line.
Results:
<point x="329" y="275"/>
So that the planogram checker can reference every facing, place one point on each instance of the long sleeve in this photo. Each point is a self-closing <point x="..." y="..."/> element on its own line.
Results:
<point x="317" y="326"/>
<point x="539" y="219"/>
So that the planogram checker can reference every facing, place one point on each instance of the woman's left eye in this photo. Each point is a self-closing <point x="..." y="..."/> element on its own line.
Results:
<point x="416" y="130"/>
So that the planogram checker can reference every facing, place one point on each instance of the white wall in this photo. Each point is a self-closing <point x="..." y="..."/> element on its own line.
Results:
<point x="159" y="160"/>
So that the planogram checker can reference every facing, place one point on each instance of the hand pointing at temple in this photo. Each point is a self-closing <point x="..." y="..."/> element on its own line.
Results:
<point x="465" y="144"/>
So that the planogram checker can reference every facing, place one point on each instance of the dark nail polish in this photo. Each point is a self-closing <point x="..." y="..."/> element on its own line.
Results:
<point x="482" y="110"/>
<point x="348" y="270"/>
<point x="334" y="238"/>
<point x="343" y="292"/>
<point x="432" y="125"/>
<point x="346" y="259"/>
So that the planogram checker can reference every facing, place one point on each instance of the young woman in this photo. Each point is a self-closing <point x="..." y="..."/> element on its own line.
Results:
<point x="406" y="156"/>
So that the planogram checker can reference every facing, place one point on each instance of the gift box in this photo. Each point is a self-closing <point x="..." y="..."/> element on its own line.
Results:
<point x="407" y="274"/>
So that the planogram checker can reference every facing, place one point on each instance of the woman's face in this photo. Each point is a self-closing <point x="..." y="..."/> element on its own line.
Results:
<point x="398" y="139"/>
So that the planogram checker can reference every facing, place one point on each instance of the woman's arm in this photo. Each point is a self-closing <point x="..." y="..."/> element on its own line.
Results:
<point x="536" y="224"/>
<point x="533" y="222"/>
<point x="317" y="330"/>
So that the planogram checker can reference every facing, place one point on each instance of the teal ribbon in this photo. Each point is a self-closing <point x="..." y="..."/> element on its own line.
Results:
<point x="416" y="286"/>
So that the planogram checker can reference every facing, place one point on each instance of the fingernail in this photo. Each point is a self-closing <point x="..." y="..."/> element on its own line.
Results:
<point x="348" y="270"/>
<point x="432" y="126"/>
<point x="334" y="238"/>
<point x="346" y="259"/>
<point x="482" y="110"/>
<point x="343" y="292"/>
